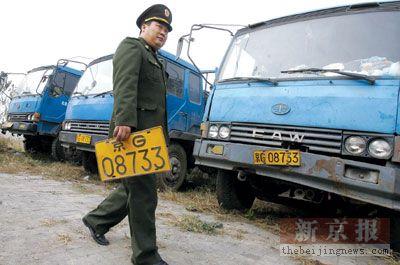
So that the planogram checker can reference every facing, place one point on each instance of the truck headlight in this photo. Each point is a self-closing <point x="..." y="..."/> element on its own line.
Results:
<point x="33" y="117"/>
<point x="213" y="131"/>
<point x="355" y="145"/>
<point x="224" y="131"/>
<point x="379" y="148"/>
<point x="66" y="125"/>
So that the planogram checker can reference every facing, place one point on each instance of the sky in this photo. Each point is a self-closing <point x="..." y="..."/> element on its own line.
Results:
<point x="35" y="33"/>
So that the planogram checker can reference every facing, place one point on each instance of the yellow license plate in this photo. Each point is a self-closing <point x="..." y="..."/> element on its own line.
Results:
<point x="22" y="126"/>
<point x="277" y="157"/>
<point x="7" y="125"/>
<point x="143" y="153"/>
<point x="83" y="138"/>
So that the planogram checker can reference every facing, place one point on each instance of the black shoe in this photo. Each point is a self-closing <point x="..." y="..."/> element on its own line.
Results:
<point x="100" y="239"/>
<point x="161" y="263"/>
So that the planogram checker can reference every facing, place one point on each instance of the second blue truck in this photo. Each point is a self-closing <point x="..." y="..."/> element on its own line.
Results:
<point x="89" y="112"/>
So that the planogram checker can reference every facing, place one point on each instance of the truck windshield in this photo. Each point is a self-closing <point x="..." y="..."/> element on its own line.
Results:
<point x="34" y="82"/>
<point x="96" y="79"/>
<point x="364" y="43"/>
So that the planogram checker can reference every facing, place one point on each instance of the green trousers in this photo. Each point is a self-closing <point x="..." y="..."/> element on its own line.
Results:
<point x="137" y="198"/>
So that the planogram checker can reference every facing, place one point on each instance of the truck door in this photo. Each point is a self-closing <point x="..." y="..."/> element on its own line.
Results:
<point x="195" y="102"/>
<point x="177" y="115"/>
<point x="57" y="95"/>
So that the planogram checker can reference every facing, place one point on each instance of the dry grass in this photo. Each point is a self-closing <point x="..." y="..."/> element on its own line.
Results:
<point x="307" y="261"/>
<point x="64" y="238"/>
<point x="53" y="222"/>
<point x="10" y="144"/>
<point x="203" y="200"/>
<point x="197" y="200"/>
<point x="193" y="223"/>
<point x="14" y="160"/>
<point x="392" y="260"/>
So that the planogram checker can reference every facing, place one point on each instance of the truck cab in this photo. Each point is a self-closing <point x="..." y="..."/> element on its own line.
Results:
<point x="89" y="112"/>
<point x="37" y="109"/>
<point x="9" y="84"/>
<point x="307" y="106"/>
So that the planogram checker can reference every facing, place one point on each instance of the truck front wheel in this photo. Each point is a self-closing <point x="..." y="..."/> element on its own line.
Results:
<point x="32" y="144"/>
<point x="57" y="151"/>
<point x="89" y="162"/>
<point x="176" y="178"/>
<point x="233" y="194"/>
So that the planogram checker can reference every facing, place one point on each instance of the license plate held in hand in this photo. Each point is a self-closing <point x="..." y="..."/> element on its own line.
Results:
<point x="144" y="152"/>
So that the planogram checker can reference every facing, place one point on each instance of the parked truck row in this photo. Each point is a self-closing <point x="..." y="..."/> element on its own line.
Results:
<point x="56" y="113"/>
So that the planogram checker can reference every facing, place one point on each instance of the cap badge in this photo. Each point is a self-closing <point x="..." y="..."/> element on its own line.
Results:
<point x="166" y="12"/>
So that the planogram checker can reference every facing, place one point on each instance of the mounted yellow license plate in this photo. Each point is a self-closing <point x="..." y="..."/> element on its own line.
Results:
<point x="277" y="157"/>
<point x="83" y="138"/>
<point x="143" y="153"/>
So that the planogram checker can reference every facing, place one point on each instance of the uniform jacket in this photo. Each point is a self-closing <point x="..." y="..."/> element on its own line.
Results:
<point x="139" y="86"/>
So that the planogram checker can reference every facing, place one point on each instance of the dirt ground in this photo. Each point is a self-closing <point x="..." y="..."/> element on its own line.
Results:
<point x="40" y="223"/>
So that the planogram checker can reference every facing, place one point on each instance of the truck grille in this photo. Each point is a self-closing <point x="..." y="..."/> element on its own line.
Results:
<point x="315" y="139"/>
<point x="92" y="127"/>
<point x="18" y="116"/>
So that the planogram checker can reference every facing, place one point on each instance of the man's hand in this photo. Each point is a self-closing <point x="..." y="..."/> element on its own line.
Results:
<point x="122" y="132"/>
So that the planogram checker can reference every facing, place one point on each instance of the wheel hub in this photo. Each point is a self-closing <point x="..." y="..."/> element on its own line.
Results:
<point x="175" y="169"/>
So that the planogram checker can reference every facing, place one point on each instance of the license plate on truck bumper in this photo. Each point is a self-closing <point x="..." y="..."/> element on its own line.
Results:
<point x="277" y="157"/>
<point x="83" y="138"/>
<point x="144" y="152"/>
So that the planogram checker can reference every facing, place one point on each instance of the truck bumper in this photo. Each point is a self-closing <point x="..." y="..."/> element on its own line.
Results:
<point x="375" y="184"/>
<point x="19" y="127"/>
<point x="68" y="139"/>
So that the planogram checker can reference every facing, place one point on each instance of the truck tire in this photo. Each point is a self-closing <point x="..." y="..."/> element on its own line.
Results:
<point x="395" y="232"/>
<point x="176" y="179"/>
<point x="32" y="144"/>
<point x="89" y="162"/>
<point x="233" y="194"/>
<point x="57" y="151"/>
<point x="73" y="156"/>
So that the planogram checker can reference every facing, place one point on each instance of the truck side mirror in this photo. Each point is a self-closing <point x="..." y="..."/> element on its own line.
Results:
<point x="179" y="47"/>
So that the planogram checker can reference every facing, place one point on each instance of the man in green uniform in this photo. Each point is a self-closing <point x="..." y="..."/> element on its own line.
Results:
<point x="139" y="85"/>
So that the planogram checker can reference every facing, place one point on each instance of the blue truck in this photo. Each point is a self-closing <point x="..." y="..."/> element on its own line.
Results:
<point x="90" y="109"/>
<point x="9" y="84"/>
<point x="38" y="108"/>
<point x="307" y="106"/>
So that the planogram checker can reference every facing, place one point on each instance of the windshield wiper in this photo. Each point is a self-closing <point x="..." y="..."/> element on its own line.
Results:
<point x="251" y="79"/>
<point x="371" y="80"/>
<point x="103" y="93"/>
<point x="26" y="93"/>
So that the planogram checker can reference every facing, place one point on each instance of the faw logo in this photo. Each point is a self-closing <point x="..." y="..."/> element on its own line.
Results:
<point x="277" y="135"/>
